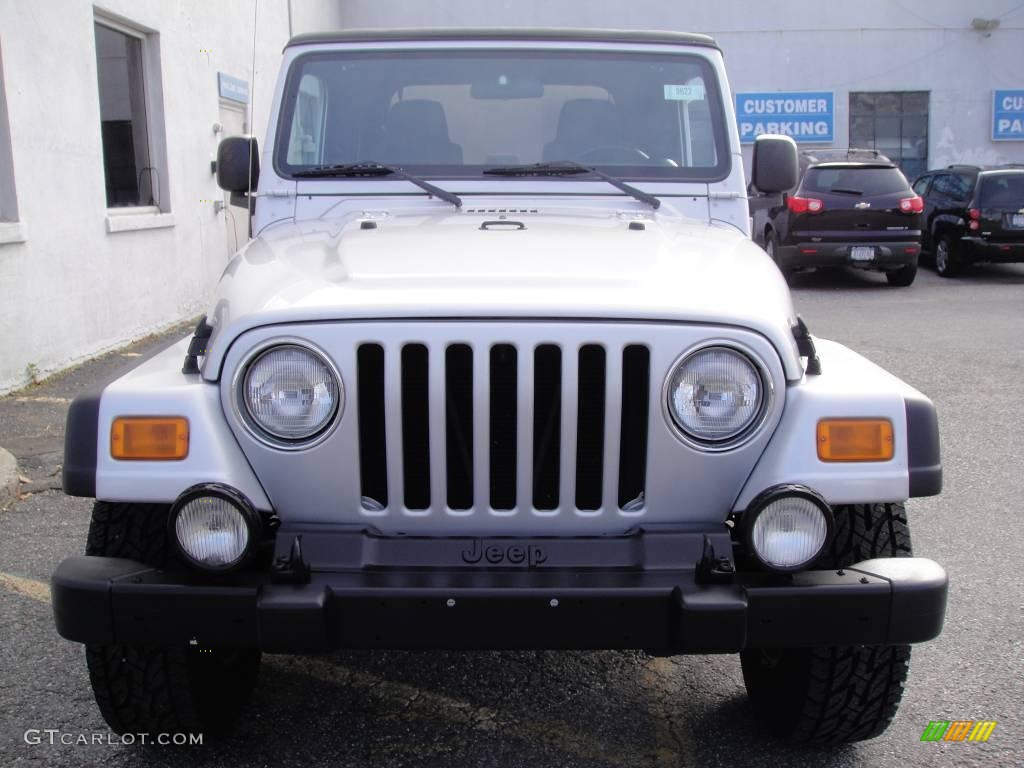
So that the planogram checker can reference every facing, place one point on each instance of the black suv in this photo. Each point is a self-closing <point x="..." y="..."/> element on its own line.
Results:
<point x="973" y="213"/>
<point x="850" y="207"/>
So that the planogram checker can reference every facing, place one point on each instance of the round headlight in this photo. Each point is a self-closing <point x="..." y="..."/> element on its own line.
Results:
<point x="291" y="393"/>
<point x="213" y="530"/>
<point x="788" y="528"/>
<point x="715" y="394"/>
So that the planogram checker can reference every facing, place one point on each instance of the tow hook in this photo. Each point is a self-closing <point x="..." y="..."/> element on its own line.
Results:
<point x="291" y="568"/>
<point x="713" y="569"/>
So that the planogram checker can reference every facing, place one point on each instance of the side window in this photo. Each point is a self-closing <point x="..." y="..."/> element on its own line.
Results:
<point x="8" y="200"/>
<point x="943" y="185"/>
<point x="962" y="186"/>
<point x="306" y="141"/>
<point x="133" y="152"/>
<point x="921" y="185"/>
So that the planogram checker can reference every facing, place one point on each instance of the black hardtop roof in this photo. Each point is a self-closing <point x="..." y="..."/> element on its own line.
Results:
<point x="543" y="34"/>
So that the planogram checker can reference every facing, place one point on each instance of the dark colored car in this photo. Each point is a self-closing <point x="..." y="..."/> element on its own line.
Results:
<point x="851" y="207"/>
<point x="973" y="214"/>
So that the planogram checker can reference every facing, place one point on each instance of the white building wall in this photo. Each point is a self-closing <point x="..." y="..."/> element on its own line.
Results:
<point x="793" y="45"/>
<point x="70" y="289"/>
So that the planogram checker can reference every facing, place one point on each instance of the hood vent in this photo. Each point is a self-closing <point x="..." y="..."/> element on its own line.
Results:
<point x="500" y="211"/>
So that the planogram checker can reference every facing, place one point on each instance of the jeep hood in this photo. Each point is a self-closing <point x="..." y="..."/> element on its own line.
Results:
<point x="454" y="264"/>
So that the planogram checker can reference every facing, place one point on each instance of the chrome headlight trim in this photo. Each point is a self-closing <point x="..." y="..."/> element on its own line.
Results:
<point x="252" y="427"/>
<point x="756" y="424"/>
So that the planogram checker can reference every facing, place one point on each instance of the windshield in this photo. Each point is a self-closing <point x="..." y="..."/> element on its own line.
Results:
<point x="458" y="113"/>
<point x="854" y="179"/>
<point x="1001" y="190"/>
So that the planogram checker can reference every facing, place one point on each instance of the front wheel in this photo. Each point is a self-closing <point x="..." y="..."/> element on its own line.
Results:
<point x="836" y="695"/>
<point x="188" y="689"/>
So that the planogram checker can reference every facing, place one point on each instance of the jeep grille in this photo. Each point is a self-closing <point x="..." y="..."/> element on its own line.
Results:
<point x="563" y="427"/>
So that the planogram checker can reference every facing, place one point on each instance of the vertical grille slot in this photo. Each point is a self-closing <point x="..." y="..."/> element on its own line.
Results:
<point x="547" y="424"/>
<point x="373" y="459"/>
<point x="636" y="363"/>
<point x="503" y="426"/>
<point x="459" y="425"/>
<point x="415" y="426"/>
<point x="590" y="427"/>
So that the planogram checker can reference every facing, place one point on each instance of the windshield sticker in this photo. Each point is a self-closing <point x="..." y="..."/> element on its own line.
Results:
<point x="684" y="93"/>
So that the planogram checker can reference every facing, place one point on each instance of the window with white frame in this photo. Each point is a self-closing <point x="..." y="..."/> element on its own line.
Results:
<point x="129" y="89"/>
<point x="8" y="200"/>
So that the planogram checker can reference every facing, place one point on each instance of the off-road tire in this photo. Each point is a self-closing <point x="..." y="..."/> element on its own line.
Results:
<point x="187" y="689"/>
<point x="836" y="695"/>
<point x="902" y="277"/>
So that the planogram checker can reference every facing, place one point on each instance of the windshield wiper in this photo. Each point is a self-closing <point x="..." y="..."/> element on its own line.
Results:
<point x="841" y="191"/>
<point x="370" y="169"/>
<point x="571" y="168"/>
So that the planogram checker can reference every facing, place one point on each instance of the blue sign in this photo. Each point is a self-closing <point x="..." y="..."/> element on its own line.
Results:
<point x="807" y="116"/>
<point x="233" y="88"/>
<point x="1008" y="116"/>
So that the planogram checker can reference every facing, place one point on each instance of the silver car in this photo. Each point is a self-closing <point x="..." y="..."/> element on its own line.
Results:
<point x="501" y="368"/>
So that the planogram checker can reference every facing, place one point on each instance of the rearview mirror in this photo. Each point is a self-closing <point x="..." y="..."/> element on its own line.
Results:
<point x="237" y="157"/>
<point x="776" y="165"/>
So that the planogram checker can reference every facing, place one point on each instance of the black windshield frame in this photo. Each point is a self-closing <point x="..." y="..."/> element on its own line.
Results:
<point x="649" y="173"/>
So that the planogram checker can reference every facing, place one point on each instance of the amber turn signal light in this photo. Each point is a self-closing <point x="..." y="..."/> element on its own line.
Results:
<point x="152" y="438"/>
<point x="855" y="440"/>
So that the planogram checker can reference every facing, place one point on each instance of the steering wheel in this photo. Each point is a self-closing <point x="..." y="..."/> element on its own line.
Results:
<point x="614" y="153"/>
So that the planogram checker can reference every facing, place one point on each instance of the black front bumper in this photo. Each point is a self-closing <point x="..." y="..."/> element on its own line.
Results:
<point x="887" y="255"/>
<point x="100" y="600"/>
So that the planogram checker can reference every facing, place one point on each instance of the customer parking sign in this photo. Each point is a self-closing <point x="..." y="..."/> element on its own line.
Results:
<point x="807" y="116"/>
<point x="1008" y="116"/>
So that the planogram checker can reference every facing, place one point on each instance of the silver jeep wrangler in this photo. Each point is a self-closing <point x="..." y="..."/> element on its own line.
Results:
<point x="501" y="368"/>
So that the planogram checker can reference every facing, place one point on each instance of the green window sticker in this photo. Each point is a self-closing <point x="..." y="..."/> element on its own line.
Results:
<point x="684" y="93"/>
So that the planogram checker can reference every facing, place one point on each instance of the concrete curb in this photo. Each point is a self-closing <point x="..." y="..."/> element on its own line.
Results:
<point x="8" y="478"/>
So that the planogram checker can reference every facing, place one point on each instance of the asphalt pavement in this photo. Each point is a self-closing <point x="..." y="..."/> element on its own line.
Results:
<point x="960" y="341"/>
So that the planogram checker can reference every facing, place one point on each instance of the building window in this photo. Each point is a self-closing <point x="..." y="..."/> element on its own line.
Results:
<point x="8" y="200"/>
<point x="132" y="178"/>
<point x="895" y="123"/>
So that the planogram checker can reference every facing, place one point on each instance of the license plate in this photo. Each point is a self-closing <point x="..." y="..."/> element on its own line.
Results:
<point x="862" y="253"/>
<point x="1017" y="221"/>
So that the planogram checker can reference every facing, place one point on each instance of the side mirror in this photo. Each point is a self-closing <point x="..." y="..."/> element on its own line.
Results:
<point x="776" y="166"/>
<point x="236" y="155"/>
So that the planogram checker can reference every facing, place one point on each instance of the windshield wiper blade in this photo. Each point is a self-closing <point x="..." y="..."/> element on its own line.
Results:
<point x="841" y="191"/>
<point x="571" y="168"/>
<point x="370" y="169"/>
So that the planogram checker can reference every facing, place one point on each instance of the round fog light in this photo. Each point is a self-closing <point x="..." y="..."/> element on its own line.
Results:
<point x="788" y="527"/>
<point x="213" y="527"/>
